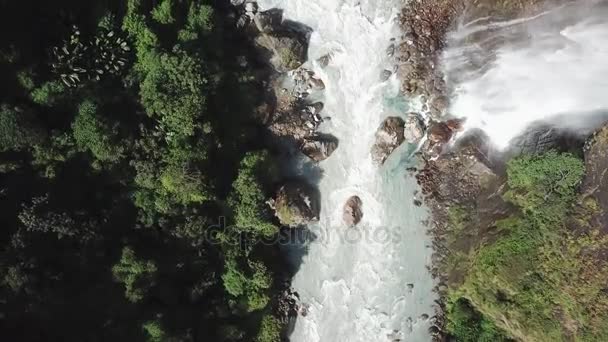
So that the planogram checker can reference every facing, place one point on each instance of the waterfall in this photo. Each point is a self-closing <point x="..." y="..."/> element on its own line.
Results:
<point x="551" y="68"/>
<point x="369" y="282"/>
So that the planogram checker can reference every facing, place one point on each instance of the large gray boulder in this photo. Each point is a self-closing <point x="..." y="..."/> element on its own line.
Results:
<point x="352" y="212"/>
<point x="287" y="51"/>
<point x="388" y="137"/>
<point x="296" y="204"/>
<point x="320" y="147"/>
<point x="268" y="21"/>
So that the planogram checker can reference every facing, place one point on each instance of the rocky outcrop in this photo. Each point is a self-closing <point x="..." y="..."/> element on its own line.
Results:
<point x="542" y="138"/>
<point x="352" y="212"/>
<point x="288" y="51"/>
<point x="594" y="189"/>
<point x="268" y="21"/>
<point x="414" y="128"/>
<point x="284" y="46"/>
<point x="388" y="137"/>
<point x="319" y="147"/>
<point x="296" y="204"/>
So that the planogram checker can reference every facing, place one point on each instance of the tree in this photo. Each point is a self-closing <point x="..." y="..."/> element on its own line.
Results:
<point x="173" y="90"/>
<point x="155" y="331"/>
<point x="247" y="199"/>
<point x="270" y="330"/>
<point x="18" y="130"/>
<point x="136" y="274"/>
<point x="92" y="134"/>
<point x="198" y="22"/>
<point x="249" y="280"/>
<point x="163" y="12"/>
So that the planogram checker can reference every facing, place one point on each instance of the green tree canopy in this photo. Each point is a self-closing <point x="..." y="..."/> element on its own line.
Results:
<point x="92" y="134"/>
<point x="136" y="274"/>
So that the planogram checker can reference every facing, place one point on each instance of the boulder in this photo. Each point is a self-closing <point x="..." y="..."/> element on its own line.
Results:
<point x="439" y="133"/>
<point x="268" y="21"/>
<point x="385" y="75"/>
<point x="287" y="51"/>
<point x="324" y="60"/>
<point x="316" y="83"/>
<point x="320" y="147"/>
<point x="389" y="136"/>
<point x="414" y="128"/>
<point x="352" y="212"/>
<point x="296" y="204"/>
<point x="251" y="7"/>
<point x="439" y="104"/>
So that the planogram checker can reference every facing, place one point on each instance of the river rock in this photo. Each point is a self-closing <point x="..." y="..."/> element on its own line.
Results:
<point x="296" y="203"/>
<point x="439" y="104"/>
<point x="320" y="147"/>
<point x="237" y="3"/>
<point x="288" y="51"/>
<point x="414" y="128"/>
<point x="268" y="21"/>
<point x="251" y="7"/>
<point x="316" y="83"/>
<point x="352" y="212"/>
<point x="324" y="60"/>
<point x="439" y="133"/>
<point x="388" y="137"/>
<point x="385" y="75"/>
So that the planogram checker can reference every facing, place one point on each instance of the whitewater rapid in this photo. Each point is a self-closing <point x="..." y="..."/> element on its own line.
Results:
<point x="551" y="68"/>
<point x="371" y="282"/>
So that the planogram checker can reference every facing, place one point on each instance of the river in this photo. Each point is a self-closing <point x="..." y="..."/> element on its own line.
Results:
<point x="371" y="282"/>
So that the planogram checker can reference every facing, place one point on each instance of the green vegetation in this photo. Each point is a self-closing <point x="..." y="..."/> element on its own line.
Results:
<point x="135" y="274"/>
<point x="126" y="135"/>
<point x="269" y="331"/>
<point x="536" y="279"/>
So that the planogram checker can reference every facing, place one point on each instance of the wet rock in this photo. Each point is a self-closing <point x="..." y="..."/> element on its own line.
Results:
<point x="352" y="211"/>
<point x="388" y="137"/>
<point x="385" y="75"/>
<point x="417" y="202"/>
<point x="288" y="52"/>
<point x="237" y="3"/>
<point x="242" y="22"/>
<point x="320" y="147"/>
<point x="424" y="317"/>
<point x="414" y="128"/>
<point x="390" y="50"/>
<point x="440" y="133"/>
<point x="251" y="7"/>
<point x="316" y="83"/>
<point x="316" y="107"/>
<point x="296" y="203"/>
<point x="439" y="105"/>
<point x="324" y="60"/>
<point x="268" y="21"/>
<point x="541" y="138"/>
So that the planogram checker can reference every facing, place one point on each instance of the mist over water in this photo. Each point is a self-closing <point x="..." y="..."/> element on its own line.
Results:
<point x="550" y="68"/>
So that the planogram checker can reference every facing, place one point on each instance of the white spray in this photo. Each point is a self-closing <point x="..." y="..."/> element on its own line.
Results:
<point x="550" y="68"/>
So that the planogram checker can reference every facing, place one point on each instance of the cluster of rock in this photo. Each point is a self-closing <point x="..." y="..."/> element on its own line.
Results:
<point x="296" y="203"/>
<point x="284" y="46"/>
<point x="424" y="25"/>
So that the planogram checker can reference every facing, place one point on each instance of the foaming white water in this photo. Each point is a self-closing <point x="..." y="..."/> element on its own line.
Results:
<point x="355" y="281"/>
<point x="551" y="68"/>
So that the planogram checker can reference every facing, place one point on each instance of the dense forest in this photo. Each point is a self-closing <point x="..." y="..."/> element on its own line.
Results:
<point x="132" y="177"/>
